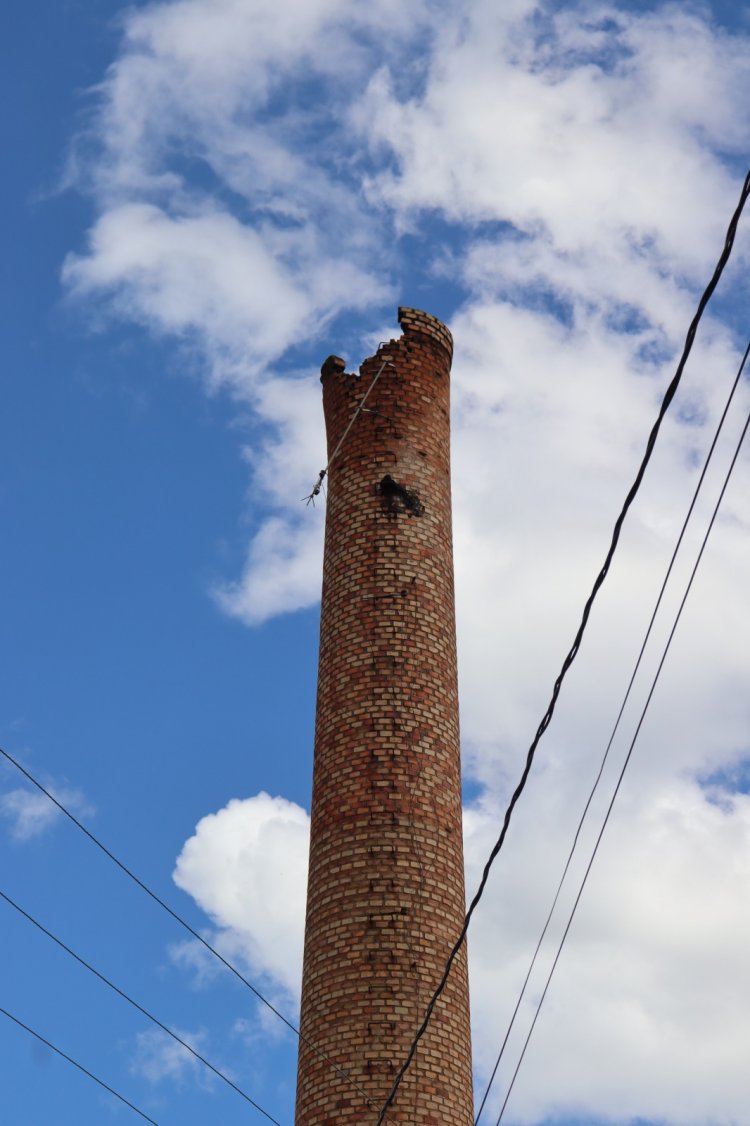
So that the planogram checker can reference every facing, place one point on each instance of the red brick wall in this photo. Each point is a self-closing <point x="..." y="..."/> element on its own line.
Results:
<point x="386" y="886"/>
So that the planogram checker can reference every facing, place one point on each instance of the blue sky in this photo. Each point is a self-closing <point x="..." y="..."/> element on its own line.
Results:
<point x="203" y="201"/>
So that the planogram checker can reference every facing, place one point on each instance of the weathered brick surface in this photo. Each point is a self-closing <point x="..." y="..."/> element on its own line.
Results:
<point x="386" y="888"/>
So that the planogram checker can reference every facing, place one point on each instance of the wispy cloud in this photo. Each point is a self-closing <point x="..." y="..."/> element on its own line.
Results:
<point x="159" y="1059"/>
<point x="196" y="960"/>
<point x="30" y="814"/>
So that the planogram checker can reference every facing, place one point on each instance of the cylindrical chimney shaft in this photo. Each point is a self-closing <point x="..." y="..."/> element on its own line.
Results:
<point x="386" y="885"/>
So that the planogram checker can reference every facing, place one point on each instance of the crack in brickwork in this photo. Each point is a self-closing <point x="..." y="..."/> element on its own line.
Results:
<point x="386" y="889"/>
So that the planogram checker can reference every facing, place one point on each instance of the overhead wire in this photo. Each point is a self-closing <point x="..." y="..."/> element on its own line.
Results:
<point x="75" y="1063"/>
<point x="121" y="993"/>
<point x="186" y="926"/>
<point x="144" y="887"/>
<point x="627" y="761"/>
<point x="569" y="659"/>
<point x="696" y="493"/>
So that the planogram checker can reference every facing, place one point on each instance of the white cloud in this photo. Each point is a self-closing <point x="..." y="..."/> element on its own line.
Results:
<point x="639" y="988"/>
<point x="592" y="122"/>
<point x="159" y="1058"/>
<point x="197" y="960"/>
<point x="31" y="813"/>
<point x="246" y="294"/>
<point x="530" y="538"/>
<point x="247" y="868"/>
<point x="205" y="271"/>
<point x="282" y="572"/>
<point x="265" y="1027"/>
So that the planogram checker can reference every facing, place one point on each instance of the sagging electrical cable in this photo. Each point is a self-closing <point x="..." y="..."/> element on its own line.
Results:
<point x="75" y="1063"/>
<point x="154" y="1020"/>
<point x="569" y="659"/>
<point x="186" y="926"/>
<point x="625" y="764"/>
<point x="696" y="493"/>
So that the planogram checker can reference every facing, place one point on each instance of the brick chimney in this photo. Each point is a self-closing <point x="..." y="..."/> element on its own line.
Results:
<point x="385" y="897"/>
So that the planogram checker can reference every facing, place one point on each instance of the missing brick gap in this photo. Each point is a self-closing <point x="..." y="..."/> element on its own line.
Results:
<point x="399" y="498"/>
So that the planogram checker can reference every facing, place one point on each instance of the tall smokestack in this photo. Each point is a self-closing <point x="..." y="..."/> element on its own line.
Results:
<point x="385" y="897"/>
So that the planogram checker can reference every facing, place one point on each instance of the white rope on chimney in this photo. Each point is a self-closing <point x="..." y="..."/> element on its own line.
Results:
<point x="319" y="483"/>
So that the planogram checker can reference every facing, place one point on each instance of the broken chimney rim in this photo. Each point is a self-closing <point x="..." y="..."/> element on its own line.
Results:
<point x="333" y="365"/>
<point x="413" y="322"/>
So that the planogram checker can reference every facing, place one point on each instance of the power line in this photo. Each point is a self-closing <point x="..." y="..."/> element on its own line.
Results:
<point x="144" y="887"/>
<point x="651" y="442"/>
<point x="121" y="993"/>
<point x="183" y="923"/>
<point x="627" y="760"/>
<point x="80" y="1066"/>
<point x="615" y="729"/>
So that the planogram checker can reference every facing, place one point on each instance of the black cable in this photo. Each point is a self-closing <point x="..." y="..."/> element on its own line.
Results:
<point x="183" y="923"/>
<point x="666" y="401"/>
<point x="615" y="729"/>
<point x="80" y="1066"/>
<point x="124" y="868"/>
<point x="121" y="993"/>
<point x="628" y="757"/>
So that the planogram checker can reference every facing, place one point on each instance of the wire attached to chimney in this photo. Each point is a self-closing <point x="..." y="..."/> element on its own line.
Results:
<point x="321" y="476"/>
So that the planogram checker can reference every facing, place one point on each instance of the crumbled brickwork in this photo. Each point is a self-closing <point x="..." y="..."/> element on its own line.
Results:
<point x="386" y="885"/>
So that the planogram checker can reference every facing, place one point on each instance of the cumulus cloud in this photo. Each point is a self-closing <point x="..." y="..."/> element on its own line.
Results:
<point x="282" y="573"/>
<point x="638" y="980"/>
<point x="566" y="171"/>
<point x="247" y="868"/>
<point x="639" y="988"/>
